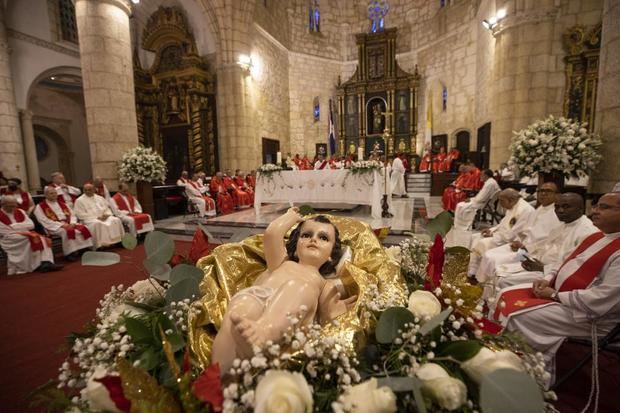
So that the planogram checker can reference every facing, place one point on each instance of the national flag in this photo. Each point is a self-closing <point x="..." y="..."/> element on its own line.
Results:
<point x="331" y="140"/>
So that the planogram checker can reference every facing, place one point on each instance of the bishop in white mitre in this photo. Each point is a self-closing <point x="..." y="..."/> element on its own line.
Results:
<point x="397" y="178"/>
<point x="540" y="223"/>
<point x="510" y="228"/>
<point x="553" y="250"/>
<point x="26" y="250"/>
<point x="579" y="297"/>
<point x="460" y="234"/>
<point x="67" y="192"/>
<point x="95" y="213"/>
<point x="129" y="210"/>
<point x="58" y="219"/>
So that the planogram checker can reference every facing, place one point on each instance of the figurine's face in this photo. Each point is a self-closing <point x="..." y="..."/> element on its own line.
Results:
<point x="315" y="244"/>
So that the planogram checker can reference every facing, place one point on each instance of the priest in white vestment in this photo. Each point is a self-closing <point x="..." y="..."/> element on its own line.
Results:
<point x="128" y="209"/>
<point x="397" y="178"/>
<point x="465" y="212"/>
<point x="546" y="253"/>
<point x="579" y="298"/>
<point x="540" y="224"/>
<point x="509" y="229"/>
<point x="95" y="213"/>
<point x="58" y="219"/>
<point x="184" y="179"/>
<point x="26" y="250"/>
<point x="101" y="188"/>
<point x="204" y="203"/>
<point x="67" y="192"/>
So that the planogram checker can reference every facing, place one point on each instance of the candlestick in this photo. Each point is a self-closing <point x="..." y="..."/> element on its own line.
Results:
<point x="360" y="154"/>
<point x="279" y="158"/>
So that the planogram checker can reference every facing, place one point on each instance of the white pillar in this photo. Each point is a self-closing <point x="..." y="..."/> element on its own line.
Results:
<point x="30" y="150"/>
<point x="107" y="72"/>
<point x="11" y="148"/>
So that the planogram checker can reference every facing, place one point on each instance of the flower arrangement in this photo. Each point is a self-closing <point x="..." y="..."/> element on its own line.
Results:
<point x="142" y="164"/>
<point x="556" y="144"/>
<point x="430" y="353"/>
<point x="268" y="169"/>
<point x="364" y="167"/>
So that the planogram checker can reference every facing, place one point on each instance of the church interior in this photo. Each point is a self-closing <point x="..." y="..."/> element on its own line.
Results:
<point x="488" y="130"/>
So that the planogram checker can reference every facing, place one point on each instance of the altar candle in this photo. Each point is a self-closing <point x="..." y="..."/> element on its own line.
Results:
<point x="360" y="154"/>
<point x="279" y="158"/>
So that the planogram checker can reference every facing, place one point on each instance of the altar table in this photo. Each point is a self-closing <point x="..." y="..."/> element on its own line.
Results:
<point x="323" y="186"/>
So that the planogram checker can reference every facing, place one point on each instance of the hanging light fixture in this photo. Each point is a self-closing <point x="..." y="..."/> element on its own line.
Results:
<point x="494" y="20"/>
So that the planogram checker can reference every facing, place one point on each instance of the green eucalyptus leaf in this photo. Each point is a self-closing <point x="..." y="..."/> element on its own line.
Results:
<point x="149" y="359"/>
<point x="390" y="321"/>
<point x="159" y="247"/>
<point x="177" y="342"/>
<point x="156" y="270"/>
<point x="139" y="331"/>
<point x="100" y="259"/>
<point x="183" y="289"/>
<point x="510" y="391"/>
<point x="419" y="398"/>
<point x="183" y="271"/>
<point x="436" y="321"/>
<point x="460" y="350"/>
<point x="441" y="224"/>
<point x="129" y="241"/>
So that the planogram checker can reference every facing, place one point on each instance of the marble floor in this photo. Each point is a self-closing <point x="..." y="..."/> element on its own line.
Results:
<point x="409" y="216"/>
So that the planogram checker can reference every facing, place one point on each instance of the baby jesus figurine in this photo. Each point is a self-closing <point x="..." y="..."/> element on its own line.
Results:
<point x="294" y="280"/>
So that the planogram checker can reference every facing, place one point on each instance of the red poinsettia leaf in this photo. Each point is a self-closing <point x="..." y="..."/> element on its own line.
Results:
<point x="208" y="387"/>
<point x="434" y="268"/>
<point x="200" y="246"/>
<point x="115" y="389"/>
<point x="186" y="362"/>
<point x="176" y="260"/>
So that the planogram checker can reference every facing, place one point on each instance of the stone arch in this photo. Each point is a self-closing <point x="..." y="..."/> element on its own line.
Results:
<point x="60" y="149"/>
<point x="48" y="73"/>
<point x="454" y="138"/>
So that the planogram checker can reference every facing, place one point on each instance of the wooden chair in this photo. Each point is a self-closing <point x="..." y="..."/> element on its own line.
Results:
<point x="489" y="213"/>
<point x="611" y="343"/>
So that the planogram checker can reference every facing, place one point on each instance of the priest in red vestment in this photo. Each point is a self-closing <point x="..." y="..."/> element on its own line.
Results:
<point x="129" y="210"/>
<point x="224" y="199"/>
<point x="438" y="160"/>
<point x="467" y="180"/>
<point x="26" y="250"/>
<point x="68" y="193"/>
<point x="241" y="182"/>
<point x="452" y="156"/>
<point x="425" y="162"/>
<point x="251" y="180"/>
<point x="240" y="198"/>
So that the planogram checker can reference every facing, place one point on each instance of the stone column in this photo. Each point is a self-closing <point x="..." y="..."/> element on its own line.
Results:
<point x="607" y="119"/>
<point x="11" y="148"/>
<point x="30" y="150"/>
<point x="107" y="72"/>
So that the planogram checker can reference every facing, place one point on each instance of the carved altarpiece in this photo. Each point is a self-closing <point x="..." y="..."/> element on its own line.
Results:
<point x="379" y="98"/>
<point x="175" y="98"/>
<point x="582" y="48"/>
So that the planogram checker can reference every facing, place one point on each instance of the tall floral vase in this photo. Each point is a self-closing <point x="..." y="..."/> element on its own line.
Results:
<point x="144" y="191"/>
<point x="555" y="176"/>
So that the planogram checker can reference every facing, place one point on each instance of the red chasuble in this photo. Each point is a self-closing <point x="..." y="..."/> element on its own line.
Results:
<point x="515" y="301"/>
<point x="49" y="212"/>
<point x="36" y="240"/>
<point x="138" y="218"/>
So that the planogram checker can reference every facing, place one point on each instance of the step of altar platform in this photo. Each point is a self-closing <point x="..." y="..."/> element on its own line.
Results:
<point x="418" y="184"/>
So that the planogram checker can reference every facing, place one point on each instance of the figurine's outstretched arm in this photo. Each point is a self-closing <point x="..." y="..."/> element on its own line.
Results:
<point x="275" y="251"/>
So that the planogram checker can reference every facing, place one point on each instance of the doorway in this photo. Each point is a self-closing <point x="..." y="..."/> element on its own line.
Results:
<point x="484" y="144"/>
<point x="176" y="152"/>
<point x="462" y="143"/>
<point x="271" y="147"/>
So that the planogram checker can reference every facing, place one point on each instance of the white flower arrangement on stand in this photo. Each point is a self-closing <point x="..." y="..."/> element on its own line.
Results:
<point x="556" y="144"/>
<point x="363" y="167"/>
<point x="267" y="170"/>
<point x="142" y="164"/>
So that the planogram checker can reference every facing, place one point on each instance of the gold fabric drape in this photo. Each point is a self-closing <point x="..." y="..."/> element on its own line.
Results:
<point x="232" y="267"/>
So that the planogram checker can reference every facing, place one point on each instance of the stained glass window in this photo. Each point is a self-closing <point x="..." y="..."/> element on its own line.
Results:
<point x="68" y="27"/>
<point x="377" y="9"/>
<point x="316" y="109"/>
<point x="444" y="99"/>
<point x="314" y="16"/>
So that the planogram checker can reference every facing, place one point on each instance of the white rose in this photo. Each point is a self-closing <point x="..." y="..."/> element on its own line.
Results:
<point x="487" y="361"/>
<point x="424" y="304"/>
<point x="283" y="392"/>
<point x="96" y="394"/>
<point x="367" y="398"/>
<point x="448" y="392"/>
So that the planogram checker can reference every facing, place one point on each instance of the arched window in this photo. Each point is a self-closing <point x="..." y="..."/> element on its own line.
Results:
<point x="66" y="19"/>
<point x="314" y="16"/>
<point x="377" y="9"/>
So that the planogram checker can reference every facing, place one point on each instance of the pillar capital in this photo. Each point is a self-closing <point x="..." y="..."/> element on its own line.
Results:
<point x="121" y="4"/>
<point x="26" y="114"/>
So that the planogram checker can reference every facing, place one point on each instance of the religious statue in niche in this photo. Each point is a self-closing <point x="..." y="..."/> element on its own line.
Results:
<point x="575" y="96"/>
<point x="402" y="105"/>
<point x="402" y="146"/>
<point x="352" y="149"/>
<point x="376" y="116"/>
<point x="350" y="105"/>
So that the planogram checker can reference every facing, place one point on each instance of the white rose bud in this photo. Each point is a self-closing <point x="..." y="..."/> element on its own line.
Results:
<point x="96" y="394"/>
<point x="367" y="398"/>
<point x="424" y="304"/>
<point x="487" y="361"/>
<point x="284" y="392"/>
<point x="448" y="392"/>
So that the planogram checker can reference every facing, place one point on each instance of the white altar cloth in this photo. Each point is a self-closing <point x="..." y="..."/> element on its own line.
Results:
<point x="323" y="186"/>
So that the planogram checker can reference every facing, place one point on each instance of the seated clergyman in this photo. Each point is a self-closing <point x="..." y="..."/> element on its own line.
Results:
<point x="95" y="213"/>
<point x="26" y="250"/>
<point x="579" y="298"/>
<point x="68" y="193"/>
<point x="128" y="209"/>
<point x="58" y="219"/>
<point x="294" y="281"/>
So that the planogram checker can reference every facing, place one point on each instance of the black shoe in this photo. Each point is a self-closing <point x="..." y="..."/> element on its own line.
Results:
<point x="47" y="266"/>
<point x="74" y="256"/>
